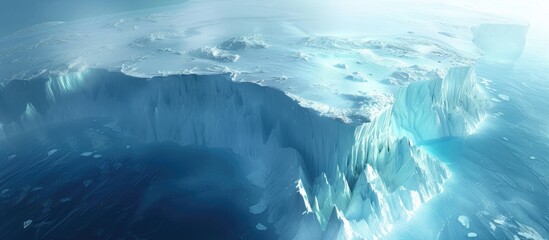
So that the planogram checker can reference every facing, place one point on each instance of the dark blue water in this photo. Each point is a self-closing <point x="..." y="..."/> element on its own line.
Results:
<point x="124" y="189"/>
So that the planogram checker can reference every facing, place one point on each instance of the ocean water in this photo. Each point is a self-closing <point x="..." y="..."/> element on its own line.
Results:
<point x="122" y="189"/>
<point x="500" y="183"/>
<point x="83" y="179"/>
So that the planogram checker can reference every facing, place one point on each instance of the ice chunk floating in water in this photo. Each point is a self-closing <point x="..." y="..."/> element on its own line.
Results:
<point x="277" y="120"/>
<point x="464" y="220"/>
<point x="27" y="223"/>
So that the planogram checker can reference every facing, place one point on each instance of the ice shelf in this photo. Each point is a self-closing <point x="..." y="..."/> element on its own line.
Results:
<point x="333" y="111"/>
<point x="343" y="178"/>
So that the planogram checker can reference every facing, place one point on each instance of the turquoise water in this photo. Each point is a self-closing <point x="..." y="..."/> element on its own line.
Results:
<point x="500" y="181"/>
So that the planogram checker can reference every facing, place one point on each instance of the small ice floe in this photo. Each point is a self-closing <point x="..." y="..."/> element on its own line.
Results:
<point x="532" y="158"/>
<point x="504" y="138"/>
<point x="10" y="157"/>
<point x="261" y="227"/>
<point x="495" y="100"/>
<point x="97" y="156"/>
<point x="86" y="154"/>
<point x="65" y="200"/>
<point x="87" y="183"/>
<point x="493" y="226"/>
<point x="27" y="223"/>
<point x="498" y="114"/>
<point x="528" y="232"/>
<point x="464" y="220"/>
<point x="51" y="152"/>
<point x="472" y="235"/>
<point x="503" y="97"/>
<point x="500" y="219"/>
<point x="341" y="65"/>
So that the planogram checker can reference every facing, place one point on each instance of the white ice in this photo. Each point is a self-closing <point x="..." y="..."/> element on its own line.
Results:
<point x="464" y="220"/>
<point x="255" y="41"/>
<point x="86" y="154"/>
<point x="27" y="223"/>
<point x="51" y="152"/>
<point x="503" y="97"/>
<point x="260" y="227"/>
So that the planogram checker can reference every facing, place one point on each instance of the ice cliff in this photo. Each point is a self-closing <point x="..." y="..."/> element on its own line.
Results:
<point x="322" y="178"/>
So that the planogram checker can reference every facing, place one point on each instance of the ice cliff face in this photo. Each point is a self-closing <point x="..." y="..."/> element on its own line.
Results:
<point x="389" y="175"/>
<point x="440" y="108"/>
<point x="322" y="178"/>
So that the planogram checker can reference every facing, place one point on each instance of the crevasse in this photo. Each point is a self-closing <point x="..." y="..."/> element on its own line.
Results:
<point x="322" y="179"/>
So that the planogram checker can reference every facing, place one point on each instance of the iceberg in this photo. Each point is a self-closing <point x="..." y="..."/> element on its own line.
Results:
<point x="501" y="42"/>
<point x="440" y="108"/>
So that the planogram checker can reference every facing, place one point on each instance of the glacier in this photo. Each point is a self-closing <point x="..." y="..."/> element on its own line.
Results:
<point x="302" y="125"/>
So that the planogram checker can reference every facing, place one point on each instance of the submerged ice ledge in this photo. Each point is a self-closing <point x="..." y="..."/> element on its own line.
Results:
<point x="322" y="178"/>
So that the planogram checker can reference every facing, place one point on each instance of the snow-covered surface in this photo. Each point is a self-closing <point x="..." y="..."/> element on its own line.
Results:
<point x="401" y="85"/>
<point x="343" y="65"/>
